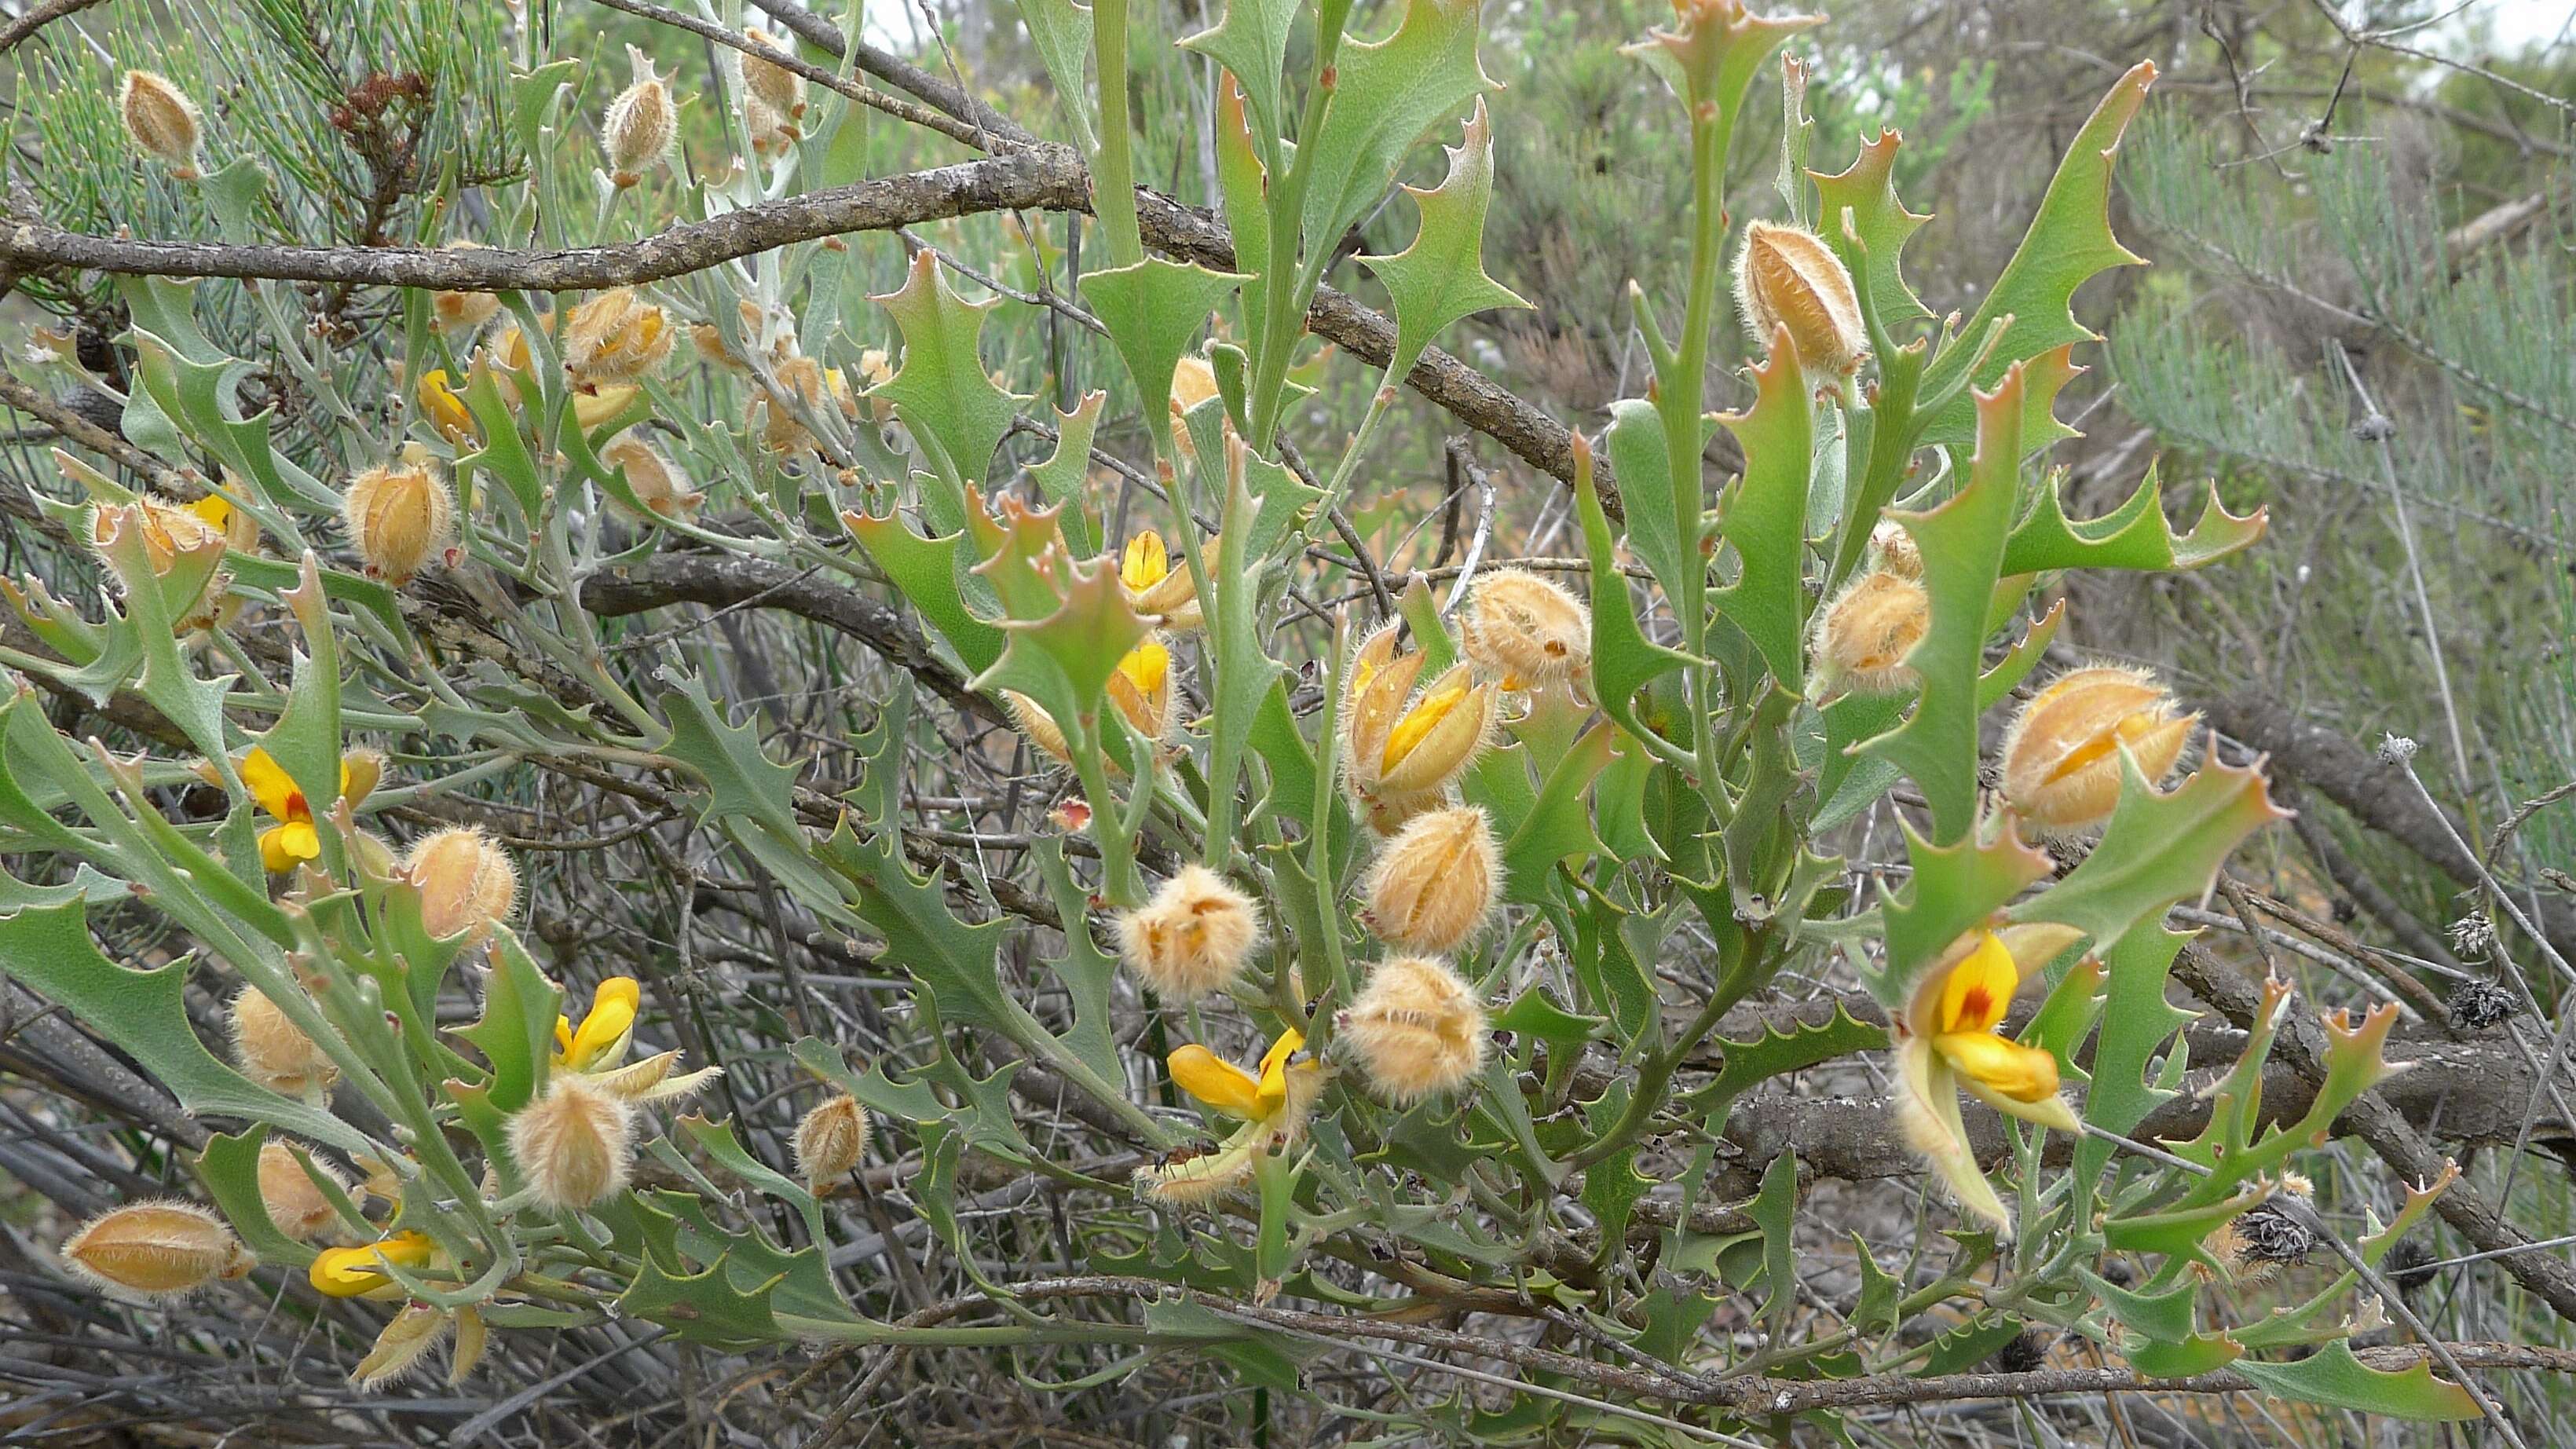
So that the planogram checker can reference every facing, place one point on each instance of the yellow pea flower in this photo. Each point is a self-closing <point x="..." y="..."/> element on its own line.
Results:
<point x="293" y="838"/>
<point x="1159" y="581"/>
<point x="1271" y="1102"/>
<point x="1947" y="1042"/>
<point x="444" y="410"/>
<point x="600" y="1042"/>
<point x="350" y="1272"/>
<point x="1254" y="1097"/>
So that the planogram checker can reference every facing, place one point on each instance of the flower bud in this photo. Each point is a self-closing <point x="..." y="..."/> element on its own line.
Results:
<point x="779" y="88"/>
<point x="1193" y="937"/>
<point x="1416" y="1028"/>
<point x="162" y="120"/>
<point x="467" y="883"/>
<point x="459" y="313"/>
<point x="2061" y="757"/>
<point x="295" y="1205"/>
<point x="658" y="483"/>
<point x="273" y="1051"/>
<point x="400" y="516"/>
<point x="1402" y="747"/>
<point x="1141" y="688"/>
<point x="830" y="1140"/>
<point x="398" y="1350"/>
<point x="1039" y="726"/>
<point x="1526" y="629"/>
<point x="1788" y="277"/>
<point x="1896" y="551"/>
<point x="443" y="410"/>
<point x="158" y="1249"/>
<point x="1863" y="636"/>
<point x="640" y="125"/>
<point x="1193" y="382"/>
<point x="1437" y="736"/>
<point x="574" y="1144"/>
<point x="1435" y="882"/>
<point x="616" y="337"/>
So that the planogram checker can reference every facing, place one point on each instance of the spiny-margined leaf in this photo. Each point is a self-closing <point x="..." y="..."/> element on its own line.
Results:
<point x="2134" y="535"/>
<point x="2333" y="1377"/>
<point x="1559" y="822"/>
<point x="1440" y="279"/>
<point x="925" y="571"/>
<point x="1859" y="205"/>
<point x="1060" y="477"/>
<point x="2137" y="1021"/>
<point x="1251" y="42"/>
<point x="1064" y="660"/>
<point x="1386" y="94"/>
<point x="943" y="391"/>
<point x="1952" y="890"/>
<point x="2160" y="848"/>
<point x="1154" y="309"/>
<point x="1060" y="32"/>
<point x="1766" y="514"/>
<point x="1745" y="1065"/>
<point x="1643" y="465"/>
<point x="1624" y="661"/>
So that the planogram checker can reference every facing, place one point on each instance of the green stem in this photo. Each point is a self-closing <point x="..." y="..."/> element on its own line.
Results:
<point x="1113" y="170"/>
<point x="1287" y="299"/>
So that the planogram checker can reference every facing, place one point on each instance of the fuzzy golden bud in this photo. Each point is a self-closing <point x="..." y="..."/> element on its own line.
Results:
<point x="1193" y="937"/>
<point x="406" y="1340"/>
<point x="164" y="123"/>
<point x="1402" y="746"/>
<point x="1526" y="629"/>
<point x="158" y="1249"/>
<point x="296" y="1206"/>
<point x="575" y="1143"/>
<point x="458" y="313"/>
<point x="657" y="482"/>
<point x="1788" y="277"/>
<point x="1039" y="726"/>
<point x="1416" y="1028"/>
<point x="830" y="1141"/>
<point x="1863" y="636"/>
<point x="273" y="1051"/>
<point x="400" y="516"/>
<point x="466" y="881"/>
<point x="2061" y="757"/>
<point x="1435" y="882"/>
<point x="779" y="88"/>
<point x="1194" y="1178"/>
<point x="615" y="337"/>
<point x="640" y="125"/>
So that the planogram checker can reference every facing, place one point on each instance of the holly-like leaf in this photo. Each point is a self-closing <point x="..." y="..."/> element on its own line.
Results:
<point x="1953" y="889"/>
<point x="1251" y="42"/>
<point x="2333" y="1377"/>
<point x="1386" y="94"/>
<point x="1060" y="477"/>
<point x="1440" y="279"/>
<point x="925" y="572"/>
<point x="2131" y="536"/>
<point x="1559" y="822"/>
<point x="1060" y="32"/>
<point x="1747" y="1064"/>
<point x="1154" y="310"/>
<point x="1624" y="661"/>
<point x="1064" y="660"/>
<point x="943" y="392"/>
<point x="1861" y="218"/>
<point x="742" y="782"/>
<point x="2159" y="848"/>
<point x="1766" y="515"/>
<point x="2137" y="1021"/>
<point x="1643" y="465"/>
<point x="516" y="1034"/>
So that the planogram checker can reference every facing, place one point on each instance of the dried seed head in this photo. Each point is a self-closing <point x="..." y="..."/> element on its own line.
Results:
<point x="1788" y="277"/>
<point x="1526" y="629"/>
<point x="295" y="1205"/>
<point x="658" y="483"/>
<point x="616" y="337"/>
<point x="2257" y="1243"/>
<point x="1435" y="882"/>
<point x="830" y="1140"/>
<point x="640" y="125"/>
<point x="1417" y="1029"/>
<point x="467" y="883"/>
<point x="461" y="312"/>
<point x="164" y="123"/>
<point x="2061" y="757"/>
<point x="2479" y="1005"/>
<point x="406" y="1340"/>
<point x="273" y="1051"/>
<point x="781" y="89"/>
<point x="400" y="516"/>
<point x="575" y="1143"/>
<point x="1193" y="937"/>
<point x="159" y="1249"/>
<point x="1863" y="636"/>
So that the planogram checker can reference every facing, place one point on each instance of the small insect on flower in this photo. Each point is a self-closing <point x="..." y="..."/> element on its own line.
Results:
<point x="1402" y="746"/>
<point x="779" y="88"/>
<point x="830" y="1140"/>
<point x="157" y="1250"/>
<point x="1525" y="629"/>
<point x="1946" y="1041"/>
<point x="576" y="1143"/>
<point x="1435" y="883"/>
<point x="400" y="516"/>
<point x="459" y="313"/>
<point x="273" y="1051"/>
<point x="1193" y="938"/>
<point x="1863" y="636"/>
<point x="1787" y="277"/>
<point x="639" y="126"/>
<point x="1271" y="1102"/>
<point x="406" y="1340"/>
<point x="1159" y="584"/>
<point x="164" y="124"/>
<point x="360" y="1272"/>
<point x="1417" y="1029"/>
<point x="616" y="337"/>
<point x="296" y="1205"/>
<point x="655" y="480"/>
<point x="2061" y="757"/>
<point x="466" y="881"/>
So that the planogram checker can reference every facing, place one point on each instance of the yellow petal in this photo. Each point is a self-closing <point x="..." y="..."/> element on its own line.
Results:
<point x="2007" y="1069"/>
<point x="2050" y="1111"/>
<point x="1418" y="722"/>
<point x="1215" y="1081"/>
<point x="269" y="784"/>
<point x="1274" y="1071"/>
<point x="348" y="1272"/>
<point x="214" y="510"/>
<point x="1978" y="990"/>
<point x="1145" y="563"/>
<point x="611" y="1022"/>
<point x="563" y="1036"/>
<point x="1928" y="1109"/>
<point x="282" y="845"/>
<point x="1146" y="667"/>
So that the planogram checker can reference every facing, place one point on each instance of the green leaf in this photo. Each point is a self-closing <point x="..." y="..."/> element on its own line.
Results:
<point x="1766" y="518"/>
<point x="1386" y="94"/>
<point x="2333" y="1377"/>
<point x="1775" y="1053"/>
<point x="1060" y="32"/>
<point x="229" y="1167"/>
<point x="1559" y="825"/>
<point x="2068" y="243"/>
<point x="1635" y="441"/>
<point x="1532" y="1014"/>
<point x="1624" y="661"/>
<point x="1952" y="890"/>
<point x="2131" y="536"/>
<point x="742" y="782"/>
<point x="943" y="392"/>
<point x="1061" y="477"/>
<point x="1243" y="185"/>
<point x="717" y="1141"/>
<point x="1774" y="1209"/>
<point x="707" y="1306"/>
<point x="1154" y="310"/>
<point x="1970" y="1344"/>
<point x="1064" y="660"/>
<point x="1441" y="279"/>
<point x="1251" y="42"/>
<point x="1860" y="204"/>
<point x="924" y="571"/>
<point x="2158" y="848"/>
<point x="2137" y="1020"/>
<point x="516" y="1034"/>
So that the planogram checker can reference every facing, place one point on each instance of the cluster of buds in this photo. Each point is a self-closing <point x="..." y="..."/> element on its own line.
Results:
<point x="1193" y="938"/>
<point x="1417" y="1029"/>
<point x="640" y="125"/>
<point x="2061" y="757"/>
<point x="400" y="516"/>
<point x="1788" y="280"/>
<point x="1403" y="746"/>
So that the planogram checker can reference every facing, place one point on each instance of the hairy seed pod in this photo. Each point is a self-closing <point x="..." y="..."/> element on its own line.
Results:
<point x="459" y="313"/>
<point x="781" y="89"/>
<point x="158" y="1249"/>
<point x="575" y="1143"/>
<point x="1863" y="636"/>
<point x="295" y="1205"/>
<point x="771" y="133"/>
<point x="616" y="337"/>
<point x="471" y="1339"/>
<point x="399" y="1349"/>
<point x="830" y="1140"/>
<point x="400" y="516"/>
<point x="1193" y="938"/>
<point x="640" y="125"/>
<point x="467" y="883"/>
<point x="273" y="1051"/>
<point x="1526" y="629"/>
<point x="1435" y="882"/>
<point x="1039" y="726"/>
<point x="1416" y="1028"/>
<point x="168" y="530"/>
<point x="1788" y="277"/>
<point x="164" y="123"/>
<point x="2061" y="757"/>
<point x="1193" y="1179"/>
<point x="1442" y="733"/>
<point x="657" y="482"/>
